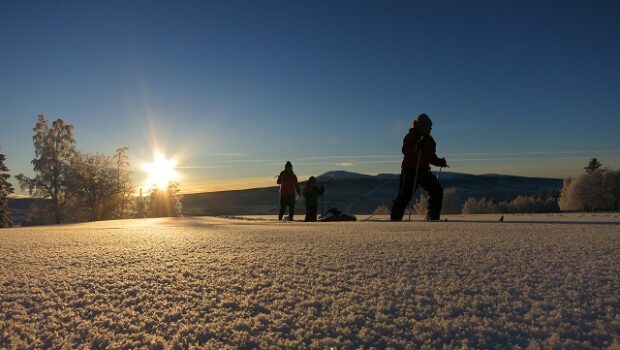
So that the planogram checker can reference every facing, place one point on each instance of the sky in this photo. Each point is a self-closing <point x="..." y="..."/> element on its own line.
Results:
<point x="233" y="89"/>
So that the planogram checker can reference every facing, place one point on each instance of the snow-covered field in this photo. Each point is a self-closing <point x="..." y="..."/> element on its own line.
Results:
<point x="534" y="281"/>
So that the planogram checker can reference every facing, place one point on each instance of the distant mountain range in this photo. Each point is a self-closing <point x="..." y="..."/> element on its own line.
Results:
<point x="362" y="194"/>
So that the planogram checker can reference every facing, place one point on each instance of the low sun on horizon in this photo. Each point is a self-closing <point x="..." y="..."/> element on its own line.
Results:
<point x="160" y="172"/>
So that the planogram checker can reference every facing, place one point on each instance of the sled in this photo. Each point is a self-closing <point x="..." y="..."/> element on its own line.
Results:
<point x="334" y="214"/>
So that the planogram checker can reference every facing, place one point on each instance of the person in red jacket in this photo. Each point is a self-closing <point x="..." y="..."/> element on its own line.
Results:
<point x="288" y="186"/>
<point x="419" y="151"/>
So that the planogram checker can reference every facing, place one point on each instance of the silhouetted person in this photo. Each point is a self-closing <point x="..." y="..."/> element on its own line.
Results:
<point x="312" y="191"/>
<point x="288" y="186"/>
<point x="419" y="150"/>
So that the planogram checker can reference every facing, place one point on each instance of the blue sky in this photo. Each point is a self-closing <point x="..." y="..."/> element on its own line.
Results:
<point x="235" y="88"/>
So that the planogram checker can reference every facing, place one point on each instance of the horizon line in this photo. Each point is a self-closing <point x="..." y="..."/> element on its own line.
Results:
<point x="250" y="187"/>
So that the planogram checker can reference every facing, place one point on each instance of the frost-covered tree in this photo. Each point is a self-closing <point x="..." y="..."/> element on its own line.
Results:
<point x="123" y="183"/>
<point x="5" y="190"/>
<point x="452" y="203"/>
<point x="570" y="200"/>
<point x="176" y="199"/>
<point x="530" y="204"/>
<point x="140" y="206"/>
<point x="166" y="202"/>
<point x="592" y="166"/>
<point x="598" y="190"/>
<point x="611" y="189"/>
<point x="482" y="206"/>
<point x="471" y="206"/>
<point x="103" y="185"/>
<point x="382" y="210"/>
<point x="520" y="204"/>
<point x="54" y="149"/>
<point x="421" y="205"/>
<point x="93" y="183"/>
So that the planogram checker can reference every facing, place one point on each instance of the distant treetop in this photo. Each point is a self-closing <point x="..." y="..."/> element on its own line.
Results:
<point x="592" y="166"/>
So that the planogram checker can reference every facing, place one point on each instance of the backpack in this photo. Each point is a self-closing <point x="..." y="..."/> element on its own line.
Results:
<point x="334" y="214"/>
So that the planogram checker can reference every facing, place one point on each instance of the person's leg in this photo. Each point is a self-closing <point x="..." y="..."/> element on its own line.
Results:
<point x="404" y="196"/>
<point x="311" y="213"/>
<point x="291" y="212"/>
<point x="282" y="207"/>
<point x="435" y="195"/>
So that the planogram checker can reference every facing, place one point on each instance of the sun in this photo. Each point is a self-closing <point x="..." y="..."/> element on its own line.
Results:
<point x="161" y="171"/>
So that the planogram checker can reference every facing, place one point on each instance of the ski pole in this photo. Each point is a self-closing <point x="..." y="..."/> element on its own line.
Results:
<point x="376" y="188"/>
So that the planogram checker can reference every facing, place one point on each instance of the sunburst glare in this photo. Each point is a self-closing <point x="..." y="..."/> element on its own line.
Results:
<point x="161" y="171"/>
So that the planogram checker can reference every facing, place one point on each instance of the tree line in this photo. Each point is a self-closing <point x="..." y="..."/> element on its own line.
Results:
<point x="598" y="189"/>
<point x="453" y="204"/>
<point x="71" y="186"/>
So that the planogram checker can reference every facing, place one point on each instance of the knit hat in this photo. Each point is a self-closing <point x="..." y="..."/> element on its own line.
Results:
<point x="423" y="120"/>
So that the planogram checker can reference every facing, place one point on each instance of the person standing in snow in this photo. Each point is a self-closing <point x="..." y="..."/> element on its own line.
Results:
<point x="312" y="191"/>
<point x="419" y="150"/>
<point x="288" y="186"/>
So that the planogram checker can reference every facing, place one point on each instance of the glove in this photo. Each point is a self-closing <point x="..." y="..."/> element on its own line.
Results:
<point x="443" y="163"/>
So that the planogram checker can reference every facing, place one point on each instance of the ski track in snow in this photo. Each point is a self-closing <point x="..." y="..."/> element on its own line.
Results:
<point x="545" y="281"/>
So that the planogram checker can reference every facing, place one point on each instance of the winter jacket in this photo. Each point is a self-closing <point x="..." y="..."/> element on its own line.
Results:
<point x="311" y="194"/>
<point x="288" y="183"/>
<point x="415" y="142"/>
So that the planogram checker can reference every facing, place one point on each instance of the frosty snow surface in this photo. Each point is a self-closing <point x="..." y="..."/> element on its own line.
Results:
<point x="533" y="281"/>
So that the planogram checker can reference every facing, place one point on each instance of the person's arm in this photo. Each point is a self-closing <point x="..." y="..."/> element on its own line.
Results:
<point x="408" y="144"/>
<point x="436" y="161"/>
<point x="279" y="179"/>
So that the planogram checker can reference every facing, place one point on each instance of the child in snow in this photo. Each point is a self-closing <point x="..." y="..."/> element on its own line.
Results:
<point x="312" y="191"/>
<point x="288" y="186"/>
